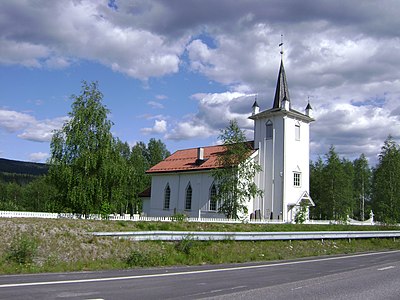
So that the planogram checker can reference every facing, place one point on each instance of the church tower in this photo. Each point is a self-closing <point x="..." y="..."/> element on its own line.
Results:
<point x="281" y="135"/>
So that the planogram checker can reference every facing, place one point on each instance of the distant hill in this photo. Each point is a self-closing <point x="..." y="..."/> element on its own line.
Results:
<point x="22" y="167"/>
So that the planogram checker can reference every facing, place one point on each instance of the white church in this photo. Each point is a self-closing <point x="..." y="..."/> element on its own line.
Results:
<point x="183" y="182"/>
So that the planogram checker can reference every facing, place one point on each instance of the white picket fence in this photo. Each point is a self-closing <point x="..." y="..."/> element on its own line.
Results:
<point x="27" y="214"/>
<point x="137" y="217"/>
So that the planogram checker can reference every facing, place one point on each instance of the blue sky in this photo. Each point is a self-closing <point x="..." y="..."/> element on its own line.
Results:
<point x="180" y="70"/>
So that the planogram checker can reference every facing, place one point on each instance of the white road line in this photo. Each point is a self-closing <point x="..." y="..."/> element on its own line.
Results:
<point x="386" y="268"/>
<point x="14" y="285"/>
<point x="216" y="291"/>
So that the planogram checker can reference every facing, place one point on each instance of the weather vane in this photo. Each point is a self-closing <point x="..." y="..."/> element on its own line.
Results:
<point x="281" y="45"/>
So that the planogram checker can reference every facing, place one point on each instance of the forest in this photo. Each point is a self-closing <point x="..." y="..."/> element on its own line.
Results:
<point x="90" y="171"/>
<point x="341" y="188"/>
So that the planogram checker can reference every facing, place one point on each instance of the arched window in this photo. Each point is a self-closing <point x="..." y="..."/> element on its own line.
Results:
<point x="213" y="200"/>
<point x="269" y="130"/>
<point x="167" y="196"/>
<point x="188" y="199"/>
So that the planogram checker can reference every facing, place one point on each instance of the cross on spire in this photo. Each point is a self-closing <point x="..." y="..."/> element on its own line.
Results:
<point x="281" y="45"/>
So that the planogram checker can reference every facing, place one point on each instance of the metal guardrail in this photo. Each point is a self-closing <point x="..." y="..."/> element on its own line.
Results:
<point x="246" y="236"/>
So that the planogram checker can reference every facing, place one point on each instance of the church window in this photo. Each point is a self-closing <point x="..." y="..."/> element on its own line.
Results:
<point x="269" y="130"/>
<point x="297" y="179"/>
<point x="188" y="198"/>
<point x="213" y="200"/>
<point x="167" y="197"/>
<point x="297" y="132"/>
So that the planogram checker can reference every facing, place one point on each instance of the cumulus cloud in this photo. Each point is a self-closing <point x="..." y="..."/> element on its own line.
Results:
<point x="189" y="130"/>
<point x="353" y="129"/>
<point x="30" y="128"/>
<point x="214" y="112"/>
<point x="160" y="126"/>
<point x="13" y="121"/>
<point x="332" y="55"/>
<point x="344" y="57"/>
<point x="43" y="34"/>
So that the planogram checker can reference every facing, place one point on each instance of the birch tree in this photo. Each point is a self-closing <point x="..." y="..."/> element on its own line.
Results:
<point x="235" y="179"/>
<point x="82" y="163"/>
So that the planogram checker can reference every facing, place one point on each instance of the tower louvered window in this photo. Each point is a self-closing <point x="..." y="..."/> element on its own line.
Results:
<point x="269" y="130"/>
<point x="297" y="132"/>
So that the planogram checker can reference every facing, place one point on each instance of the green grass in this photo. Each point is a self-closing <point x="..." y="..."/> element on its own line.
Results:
<point x="39" y="245"/>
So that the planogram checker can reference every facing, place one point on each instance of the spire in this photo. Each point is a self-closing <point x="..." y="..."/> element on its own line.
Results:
<point x="309" y="109"/>
<point x="282" y="91"/>
<point x="256" y="108"/>
<point x="282" y="99"/>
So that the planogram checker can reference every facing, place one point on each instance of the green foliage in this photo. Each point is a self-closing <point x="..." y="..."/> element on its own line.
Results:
<point x="186" y="245"/>
<point x="235" y="180"/>
<point x="82" y="164"/>
<point x="22" y="250"/>
<point x="22" y="168"/>
<point x="331" y="187"/>
<point x="179" y="217"/>
<point x="301" y="215"/>
<point x="105" y="210"/>
<point x="156" y="152"/>
<point x="92" y="171"/>
<point x="145" y="258"/>
<point x="139" y="180"/>
<point x="386" y="184"/>
<point x="362" y="185"/>
<point x="20" y="179"/>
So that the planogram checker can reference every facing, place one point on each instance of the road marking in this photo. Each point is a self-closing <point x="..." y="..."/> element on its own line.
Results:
<point x="386" y="268"/>
<point x="217" y="291"/>
<point x="24" y="284"/>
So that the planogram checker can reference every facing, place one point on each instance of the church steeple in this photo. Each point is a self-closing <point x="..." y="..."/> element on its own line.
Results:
<point x="256" y="108"/>
<point x="282" y="91"/>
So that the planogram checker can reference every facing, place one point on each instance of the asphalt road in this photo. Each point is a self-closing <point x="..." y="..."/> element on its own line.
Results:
<point x="362" y="276"/>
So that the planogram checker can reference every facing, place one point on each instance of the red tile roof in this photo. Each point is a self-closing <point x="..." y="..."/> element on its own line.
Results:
<point x="186" y="160"/>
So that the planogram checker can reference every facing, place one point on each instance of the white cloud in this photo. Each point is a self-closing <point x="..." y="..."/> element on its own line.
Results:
<point x="13" y="121"/>
<point x="22" y="53"/>
<point x="160" y="126"/>
<point x="345" y="56"/>
<point x="189" y="130"/>
<point x="30" y="128"/>
<point x="353" y="129"/>
<point x="214" y="113"/>
<point x="45" y="33"/>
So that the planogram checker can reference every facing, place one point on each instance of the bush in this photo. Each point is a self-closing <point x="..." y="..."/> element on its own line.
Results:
<point x="137" y="259"/>
<point x="145" y="258"/>
<point x="185" y="245"/>
<point x="22" y="249"/>
<point x="179" y="217"/>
